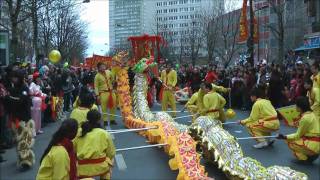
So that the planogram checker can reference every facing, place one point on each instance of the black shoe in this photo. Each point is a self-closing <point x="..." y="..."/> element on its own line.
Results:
<point x="113" y="123"/>
<point x="312" y="158"/>
<point x="270" y="143"/>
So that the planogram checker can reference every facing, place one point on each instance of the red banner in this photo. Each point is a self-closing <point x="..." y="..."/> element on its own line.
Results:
<point x="243" y="23"/>
<point x="92" y="62"/>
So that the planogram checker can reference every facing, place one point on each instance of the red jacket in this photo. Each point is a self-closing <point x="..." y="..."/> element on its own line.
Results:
<point x="211" y="77"/>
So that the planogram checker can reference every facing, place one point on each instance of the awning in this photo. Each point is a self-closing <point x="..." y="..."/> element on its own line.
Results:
<point x="303" y="48"/>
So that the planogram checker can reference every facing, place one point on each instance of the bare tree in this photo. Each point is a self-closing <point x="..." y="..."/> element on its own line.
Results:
<point x="14" y="7"/>
<point x="209" y="28"/>
<point x="167" y="50"/>
<point x="194" y="39"/>
<point x="278" y="29"/>
<point x="228" y="32"/>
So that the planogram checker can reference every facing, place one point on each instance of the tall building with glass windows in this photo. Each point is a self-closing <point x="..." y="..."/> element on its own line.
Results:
<point x="169" y="18"/>
<point x="125" y="20"/>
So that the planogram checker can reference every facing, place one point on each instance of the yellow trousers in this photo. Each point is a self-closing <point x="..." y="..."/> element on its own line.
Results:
<point x="104" y="100"/>
<point x="303" y="148"/>
<point x="262" y="128"/>
<point x="168" y="99"/>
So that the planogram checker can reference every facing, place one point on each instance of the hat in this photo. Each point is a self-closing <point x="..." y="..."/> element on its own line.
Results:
<point x="293" y="82"/>
<point x="35" y="75"/>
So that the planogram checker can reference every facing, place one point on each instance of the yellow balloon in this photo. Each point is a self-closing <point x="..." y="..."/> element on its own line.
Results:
<point x="54" y="56"/>
<point x="230" y="113"/>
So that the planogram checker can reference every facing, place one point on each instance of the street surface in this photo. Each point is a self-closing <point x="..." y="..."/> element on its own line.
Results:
<point x="152" y="163"/>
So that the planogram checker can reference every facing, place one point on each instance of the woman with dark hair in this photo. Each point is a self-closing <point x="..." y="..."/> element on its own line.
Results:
<point x="17" y="104"/>
<point x="95" y="149"/>
<point x="79" y="113"/>
<point x="59" y="159"/>
<point x="305" y="142"/>
<point x="263" y="118"/>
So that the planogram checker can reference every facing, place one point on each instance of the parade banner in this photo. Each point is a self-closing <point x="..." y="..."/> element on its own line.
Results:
<point x="92" y="62"/>
<point x="290" y="115"/>
<point x="243" y="23"/>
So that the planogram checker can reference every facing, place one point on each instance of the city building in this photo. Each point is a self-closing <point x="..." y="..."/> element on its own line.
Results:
<point x="125" y="20"/>
<point x="295" y="25"/>
<point x="170" y="18"/>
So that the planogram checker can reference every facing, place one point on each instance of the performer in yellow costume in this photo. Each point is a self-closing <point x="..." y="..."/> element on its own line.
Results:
<point x="103" y="87"/>
<point x="305" y="143"/>
<point x="169" y="82"/>
<point x="220" y="89"/>
<point x="195" y="103"/>
<point x="263" y="118"/>
<point x="213" y="104"/>
<point x="315" y="75"/>
<point x="80" y="113"/>
<point x="58" y="160"/>
<point x="95" y="149"/>
<point x="314" y="97"/>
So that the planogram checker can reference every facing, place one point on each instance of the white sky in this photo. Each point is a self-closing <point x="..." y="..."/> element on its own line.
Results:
<point x="96" y="13"/>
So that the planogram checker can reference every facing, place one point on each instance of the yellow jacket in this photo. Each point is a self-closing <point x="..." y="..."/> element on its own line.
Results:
<point x="262" y="111"/>
<point x="95" y="145"/>
<point x="103" y="82"/>
<point x="169" y="79"/>
<point x="55" y="165"/>
<point x="309" y="126"/>
<point x="219" y="89"/>
<point x="80" y="114"/>
<point x="316" y="80"/>
<point x="193" y="99"/>
<point x="213" y="102"/>
<point x="314" y="99"/>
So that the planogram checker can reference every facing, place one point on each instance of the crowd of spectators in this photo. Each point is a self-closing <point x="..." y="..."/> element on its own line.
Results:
<point x="285" y="83"/>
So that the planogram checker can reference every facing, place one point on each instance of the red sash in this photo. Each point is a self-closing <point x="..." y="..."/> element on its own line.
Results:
<point x="309" y="138"/>
<point x="91" y="161"/>
<point x="67" y="144"/>
<point x="110" y="104"/>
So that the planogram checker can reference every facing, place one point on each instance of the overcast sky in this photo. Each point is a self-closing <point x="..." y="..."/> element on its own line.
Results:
<point x="96" y="13"/>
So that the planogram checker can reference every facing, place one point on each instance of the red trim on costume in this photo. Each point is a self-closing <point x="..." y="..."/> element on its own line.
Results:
<point x="110" y="104"/>
<point x="213" y="110"/>
<point x="311" y="138"/>
<point x="91" y="161"/>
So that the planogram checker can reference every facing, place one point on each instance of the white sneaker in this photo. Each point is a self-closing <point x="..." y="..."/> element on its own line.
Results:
<point x="261" y="145"/>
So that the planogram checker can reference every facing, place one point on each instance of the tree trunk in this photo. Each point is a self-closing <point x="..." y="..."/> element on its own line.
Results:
<point x="34" y="19"/>
<point x="250" y="39"/>
<point x="281" y="38"/>
<point x="14" y="41"/>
